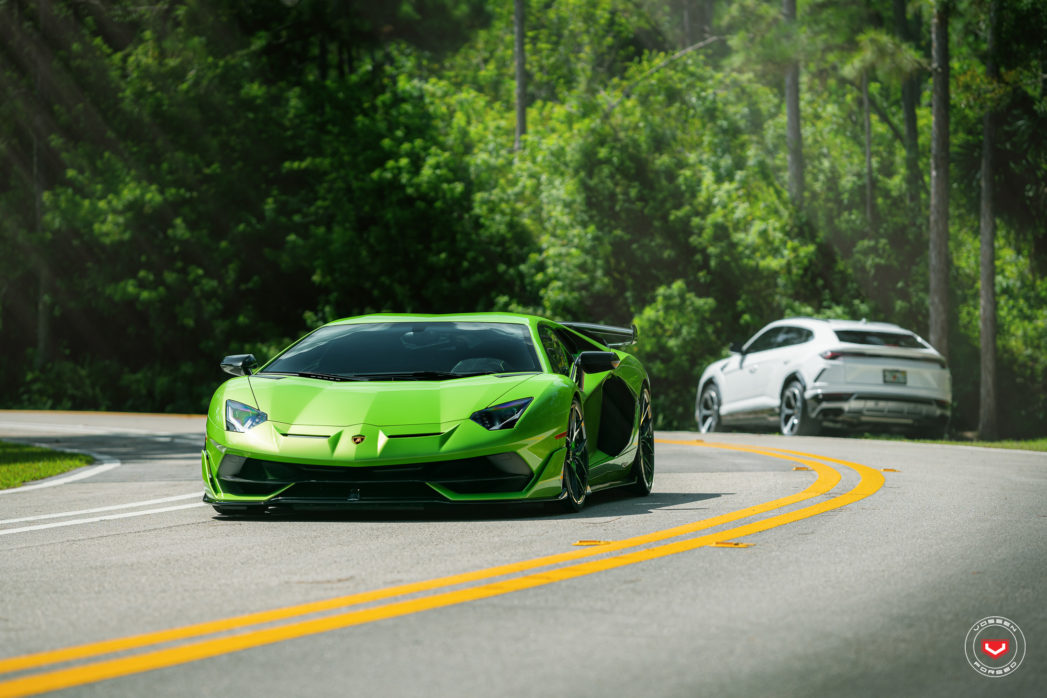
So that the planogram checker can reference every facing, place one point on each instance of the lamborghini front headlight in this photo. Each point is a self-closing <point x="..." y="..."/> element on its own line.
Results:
<point x="504" y="416"/>
<point x="240" y="417"/>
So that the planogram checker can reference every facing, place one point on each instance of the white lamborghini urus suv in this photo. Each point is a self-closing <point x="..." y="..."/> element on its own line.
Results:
<point x="802" y="373"/>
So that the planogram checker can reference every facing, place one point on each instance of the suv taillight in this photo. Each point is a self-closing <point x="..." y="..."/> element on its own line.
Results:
<point x="831" y="354"/>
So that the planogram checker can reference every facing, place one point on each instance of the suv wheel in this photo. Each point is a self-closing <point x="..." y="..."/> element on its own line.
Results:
<point x="793" y="415"/>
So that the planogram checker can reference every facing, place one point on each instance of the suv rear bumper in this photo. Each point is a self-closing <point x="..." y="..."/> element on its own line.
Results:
<point x="856" y="408"/>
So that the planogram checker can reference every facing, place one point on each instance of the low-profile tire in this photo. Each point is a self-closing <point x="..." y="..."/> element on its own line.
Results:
<point x="643" y="464"/>
<point x="576" y="462"/>
<point x="709" y="410"/>
<point x="794" y="419"/>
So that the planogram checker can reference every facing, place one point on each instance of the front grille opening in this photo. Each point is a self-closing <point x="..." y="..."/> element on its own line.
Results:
<point x="350" y="492"/>
<point x="499" y="473"/>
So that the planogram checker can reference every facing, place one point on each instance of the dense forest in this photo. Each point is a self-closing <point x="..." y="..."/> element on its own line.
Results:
<point x="184" y="179"/>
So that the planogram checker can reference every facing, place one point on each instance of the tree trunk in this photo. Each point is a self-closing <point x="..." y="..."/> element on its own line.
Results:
<point x="870" y="195"/>
<point x="696" y="20"/>
<point x="987" y="424"/>
<point x="688" y="32"/>
<point x="939" y="224"/>
<point x="794" y="135"/>
<point x="43" y="304"/>
<point x="521" y="75"/>
<point x="321" y="57"/>
<point x="705" y="18"/>
<point x="910" y="96"/>
<point x="342" y="60"/>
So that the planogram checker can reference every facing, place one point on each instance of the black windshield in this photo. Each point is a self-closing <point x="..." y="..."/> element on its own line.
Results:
<point x="410" y="350"/>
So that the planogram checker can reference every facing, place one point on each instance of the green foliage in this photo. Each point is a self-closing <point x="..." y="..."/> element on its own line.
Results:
<point x="1021" y="298"/>
<point x="677" y="341"/>
<point x="1031" y="445"/>
<point x="219" y="177"/>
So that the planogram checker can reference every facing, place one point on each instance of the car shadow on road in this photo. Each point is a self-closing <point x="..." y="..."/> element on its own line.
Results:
<point x="621" y="503"/>
<point x="611" y="503"/>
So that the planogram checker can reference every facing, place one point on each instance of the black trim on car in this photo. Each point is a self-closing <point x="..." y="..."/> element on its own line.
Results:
<point x="851" y="409"/>
<point x="502" y="472"/>
<point x="608" y="335"/>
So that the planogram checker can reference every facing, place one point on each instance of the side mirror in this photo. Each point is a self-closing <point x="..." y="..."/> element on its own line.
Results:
<point x="597" y="361"/>
<point x="592" y="362"/>
<point x="239" y="364"/>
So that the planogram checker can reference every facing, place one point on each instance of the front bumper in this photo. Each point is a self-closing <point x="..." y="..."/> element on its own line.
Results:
<point x="275" y="471"/>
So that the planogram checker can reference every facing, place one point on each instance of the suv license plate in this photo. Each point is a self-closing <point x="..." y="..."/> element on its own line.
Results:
<point x="894" y="377"/>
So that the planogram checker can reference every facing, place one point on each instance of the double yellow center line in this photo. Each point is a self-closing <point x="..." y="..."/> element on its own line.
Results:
<point x="291" y="622"/>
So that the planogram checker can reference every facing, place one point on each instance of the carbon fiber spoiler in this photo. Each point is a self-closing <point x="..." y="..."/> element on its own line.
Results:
<point x="608" y="335"/>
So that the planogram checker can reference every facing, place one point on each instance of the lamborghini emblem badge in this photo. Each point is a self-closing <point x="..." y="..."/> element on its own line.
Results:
<point x="359" y="439"/>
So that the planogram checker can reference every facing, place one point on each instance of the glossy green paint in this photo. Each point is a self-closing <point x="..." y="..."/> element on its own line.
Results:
<point x="313" y="422"/>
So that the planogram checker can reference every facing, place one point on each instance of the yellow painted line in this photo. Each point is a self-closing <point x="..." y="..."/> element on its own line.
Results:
<point x="867" y="474"/>
<point x="826" y="480"/>
<point x="870" y="481"/>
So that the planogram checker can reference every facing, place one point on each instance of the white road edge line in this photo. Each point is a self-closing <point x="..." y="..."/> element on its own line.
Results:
<point x="96" y="519"/>
<point x="114" y="507"/>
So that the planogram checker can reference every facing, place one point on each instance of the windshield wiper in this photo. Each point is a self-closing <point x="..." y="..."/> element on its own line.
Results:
<point x="418" y="375"/>
<point x="318" y="376"/>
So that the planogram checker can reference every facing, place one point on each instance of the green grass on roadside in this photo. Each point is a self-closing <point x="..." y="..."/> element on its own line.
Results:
<point x="1032" y="445"/>
<point x="20" y="463"/>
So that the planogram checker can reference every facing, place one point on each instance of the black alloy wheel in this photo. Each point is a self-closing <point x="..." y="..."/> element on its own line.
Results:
<point x="576" y="462"/>
<point x="709" y="410"/>
<point x="794" y="418"/>
<point x="643" y="465"/>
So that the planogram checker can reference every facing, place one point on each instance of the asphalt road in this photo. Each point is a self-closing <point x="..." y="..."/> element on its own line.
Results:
<point x="747" y="572"/>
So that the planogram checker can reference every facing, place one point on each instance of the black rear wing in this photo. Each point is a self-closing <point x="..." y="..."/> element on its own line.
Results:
<point x="605" y="334"/>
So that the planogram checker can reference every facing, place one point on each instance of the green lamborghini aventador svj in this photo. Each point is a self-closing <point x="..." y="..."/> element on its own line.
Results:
<point x="385" y="410"/>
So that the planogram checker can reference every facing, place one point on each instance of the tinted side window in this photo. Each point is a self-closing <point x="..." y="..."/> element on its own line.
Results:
<point x="791" y="336"/>
<point x="767" y="340"/>
<point x="554" y="349"/>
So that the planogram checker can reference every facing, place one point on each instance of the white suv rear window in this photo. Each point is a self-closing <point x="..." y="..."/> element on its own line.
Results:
<point x="880" y="339"/>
